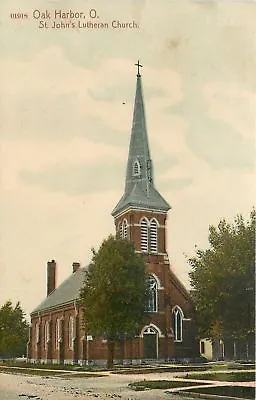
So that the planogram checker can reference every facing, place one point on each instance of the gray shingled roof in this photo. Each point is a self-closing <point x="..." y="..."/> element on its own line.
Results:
<point x="66" y="292"/>
<point x="139" y="188"/>
<point x="136" y="198"/>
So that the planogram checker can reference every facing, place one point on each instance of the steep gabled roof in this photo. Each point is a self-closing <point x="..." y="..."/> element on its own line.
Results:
<point x="66" y="292"/>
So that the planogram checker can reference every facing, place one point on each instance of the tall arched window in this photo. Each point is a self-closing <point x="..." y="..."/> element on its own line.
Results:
<point x="144" y="235"/>
<point x="57" y="333"/>
<point x="177" y="321"/>
<point x="71" y="332"/>
<point x="47" y="331"/>
<point x="120" y="230"/>
<point x="37" y="332"/>
<point x="46" y="334"/>
<point x="153" y="236"/>
<point x="152" y="305"/>
<point x="125" y="229"/>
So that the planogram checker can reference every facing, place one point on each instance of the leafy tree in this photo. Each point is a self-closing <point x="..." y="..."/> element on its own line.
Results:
<point x="114" y="292"/>
<point x="13" y="331"/>
<point x="222" y="279"/>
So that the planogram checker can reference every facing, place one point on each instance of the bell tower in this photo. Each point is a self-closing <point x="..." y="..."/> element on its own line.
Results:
<point x="140" y="215"/>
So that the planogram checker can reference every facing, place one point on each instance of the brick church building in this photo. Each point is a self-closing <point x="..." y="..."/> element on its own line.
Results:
<point x="57" y="332"/>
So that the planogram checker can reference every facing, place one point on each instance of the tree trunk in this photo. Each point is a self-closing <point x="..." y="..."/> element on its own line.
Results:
<point x="111" y="348"/>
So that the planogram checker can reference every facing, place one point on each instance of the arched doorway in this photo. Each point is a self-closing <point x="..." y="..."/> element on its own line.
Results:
<point x="150" y="341"/>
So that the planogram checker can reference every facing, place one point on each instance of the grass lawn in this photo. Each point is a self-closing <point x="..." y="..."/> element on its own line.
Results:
<point x="233" y="391"/>
<point x="222" y="376"/>
<point x="151" y="369"/>
<point x="118" y="369"/>
<point x="240" y="366"/>
<point x="29" y="371"/>
<point x="160" y="384"/>
<point x="68" y="367"/>
<point x="43" y="372"/>
<point x="128" y="369"/>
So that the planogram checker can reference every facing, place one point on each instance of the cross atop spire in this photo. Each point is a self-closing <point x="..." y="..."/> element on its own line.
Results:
<point x="139" y="66"/>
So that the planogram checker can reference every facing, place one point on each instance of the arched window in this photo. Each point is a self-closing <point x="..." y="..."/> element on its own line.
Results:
<point x="120" y="230"/>
<point x="125" y="229"/>
<point x="71" y="332"/>
<point x="177" y="321"/>
<point x="47" y="331"/>
<point x="144" y="235"/>
<point x="153" y="236"/>
<point x="37" y="332"/>
<point x="152" y="305"/>
<point x="136" y="168"/>
<point x="46" y="334"/>
<point x="57" y="333"/>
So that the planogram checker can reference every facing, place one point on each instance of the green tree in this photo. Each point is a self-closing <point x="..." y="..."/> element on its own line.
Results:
<point x="13" y="331"/>
<point x="222" y="279"/>
<point x="114" y="292"/>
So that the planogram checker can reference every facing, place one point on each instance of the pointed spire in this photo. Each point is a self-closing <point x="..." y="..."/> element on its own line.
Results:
<point x="139" y="165"/>
<point x="139" y="184"/>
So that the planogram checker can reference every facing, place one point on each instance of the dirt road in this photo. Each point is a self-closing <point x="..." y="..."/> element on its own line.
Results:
<point x="23" y="387"/>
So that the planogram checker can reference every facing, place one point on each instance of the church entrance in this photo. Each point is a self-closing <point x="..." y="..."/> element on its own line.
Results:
<point x="150" y="340"/>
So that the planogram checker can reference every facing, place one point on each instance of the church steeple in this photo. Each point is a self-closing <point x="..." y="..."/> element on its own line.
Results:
<point x="140" y="192"/>
<point x="139" y="165"/>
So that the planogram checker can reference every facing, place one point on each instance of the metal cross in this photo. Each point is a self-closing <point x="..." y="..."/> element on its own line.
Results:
<point x="138" y="65"/>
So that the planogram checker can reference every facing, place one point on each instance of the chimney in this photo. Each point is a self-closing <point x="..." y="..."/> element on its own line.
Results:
<point x="76" y="266"/>
<point x="51" y="276"/>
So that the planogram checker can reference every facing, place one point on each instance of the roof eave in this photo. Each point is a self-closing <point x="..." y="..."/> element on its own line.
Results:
<point x="56" y="306"/>
<point x="136" y="206"/>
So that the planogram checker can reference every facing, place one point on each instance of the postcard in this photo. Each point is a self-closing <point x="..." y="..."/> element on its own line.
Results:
<point x="69" y="75"/>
